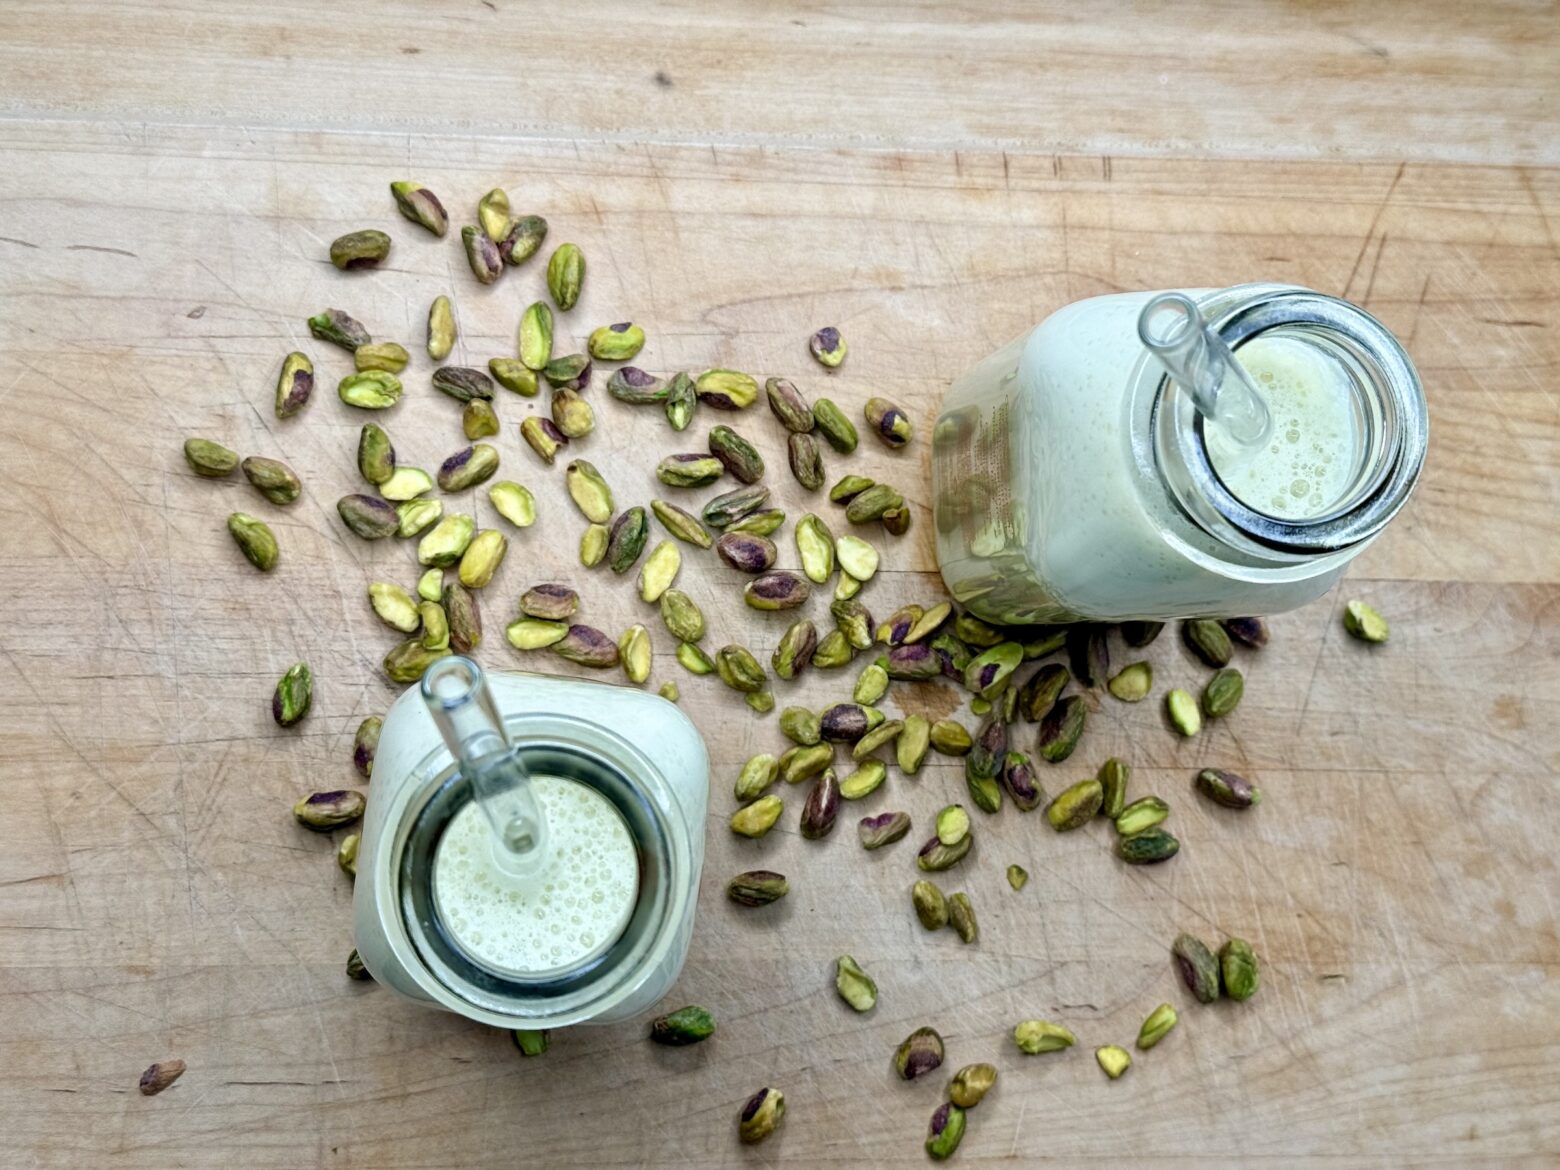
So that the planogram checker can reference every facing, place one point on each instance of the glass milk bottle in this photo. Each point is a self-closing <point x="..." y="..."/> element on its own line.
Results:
<point x="1075" y="478"/>
<point x="531" y="850"/>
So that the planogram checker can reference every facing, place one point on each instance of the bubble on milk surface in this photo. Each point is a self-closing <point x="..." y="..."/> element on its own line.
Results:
<point x="577" y="904"/>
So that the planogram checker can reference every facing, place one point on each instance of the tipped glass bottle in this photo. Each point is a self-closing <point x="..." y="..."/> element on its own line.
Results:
<point x="1074" y="480"/>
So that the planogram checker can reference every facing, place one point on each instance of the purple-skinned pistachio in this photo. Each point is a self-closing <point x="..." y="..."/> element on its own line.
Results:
<point x="844" y="723"/>
<point x="916" y="660"/>
<point x="365" y="744"/>
<point x="616" y="343"/>
<point x="888" y="422"/>
<point x="550" y="602"/>
<point x="1018" y="777"/>
<point x="934" y="856"/>
<point x="421" y="206"/>
<point x="1248" y="631"/>
<point x="794" y="652"/>
<point x="543" y="437"/>
<point x="920" y="1052"/>
<point x="468" y="467"/>
<point x="899" y="624"/>
<point x="324" y="811"/>
<point x="882" y="829"/>
<point x="587" y="646"/>
<point x="636" y="387"/>
<point x="821" y="807"/>
<point x="745" y="552"/>
<point x="729" y="507"/>
<point x="827" y="347"/>
<point x="777" y="589"/>
<point x="990" y="669"/>
<point x="368" y="516"/>
<point x="294" y="385"/>
<point x="945" y="1131"/>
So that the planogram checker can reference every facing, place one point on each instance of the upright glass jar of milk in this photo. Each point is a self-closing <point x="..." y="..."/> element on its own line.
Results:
<point x="1075" y="481"/>
<point x="593" y="927"/>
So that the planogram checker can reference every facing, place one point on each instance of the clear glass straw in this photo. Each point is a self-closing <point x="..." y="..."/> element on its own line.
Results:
<point x="1175" y="331"/>
<point x="462" y="707"/>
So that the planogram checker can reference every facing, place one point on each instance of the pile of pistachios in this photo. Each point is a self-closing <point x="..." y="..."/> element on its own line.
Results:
<point x="1008" y="671"/>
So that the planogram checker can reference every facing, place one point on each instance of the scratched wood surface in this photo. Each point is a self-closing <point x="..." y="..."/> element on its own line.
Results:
<point x="157" y="901"/>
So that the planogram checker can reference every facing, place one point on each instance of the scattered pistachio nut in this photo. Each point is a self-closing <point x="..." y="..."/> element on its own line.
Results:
<point x="1365" y="623"/>
<point x="801" y="726"/>
<point x="1238" y="974"/>
<point x="420" y="205"/>
<point x="364" y="249"/>
<point x="272" y="478"/>
<point x="1156" y="1027"/>
<point x="1143" y="813"/>
<point x="659" y="571"/>
<point x="681" y="402"/>
<point x="739" y="670"/>
<point x="535" y="633"/>
<point x="370" y="390"/>
<point x="513" y="502"/>
<point x="375" y="454"/>
<point x="757" y="887"/>
<point x="1148" y="847"/>
<point x="406" y="483"/>
<point x="1223" y="692"/>
<point x="757" y="774"/>
<point x="795" y="650"/>
<point x="911" y="746"/>
<point x="338" y="328"/>
<point x="949" y="737"/>
<point x="530" y="1042"/>
<point x="534" y="336"/>
<point x="295" y="384"/>
<point x="934" y="856"/>
<point x="1061" y="728"/>
<point x="854" y="985"/>
<point x="1208" y="640"/>
<point x="1140" y="634"/>
<point x="1017" y="877"/>
<point x="1114" y="775"/>
<point x="971" y="1084"/>
<point x="462" y="383"/>
<point x="394" y="606"/>
<point x="726" y="389"/>
<point x="435" y="625"/>
<point x="365" y="744"/>
<point x="587" y="646"/>
<point x="324" y="811"/>
<point x="588" y="489"/>
<point x="493" y="214"/>
<point x="803" y="763"/>
<point x="689" y="471"/>
<point x="685" y="1026"/>
<point x="683" y="618"/>
<point x="759" y="523"/>
<point x="827" y="346"/>
<point x="853" y="620"/>
<point x="777" y="589"/>
<point x="726" y="509"/>
<point x="669" y="691"/>
<point x="513" y="375"/>
<point x="294" y="692"/>
<point x="694" y="660"/>
<point x="550" y="602"/>
<point x="756" y="819"/>
<point x="442" y="329"/>
<point x="465" y="617"/>
<point x="946" y="1129"/>
<point x="570" y="372"/>
<point x="856" y="557"/>
<point x="832" y="424"/>
<point x="615" y="343"/>
<point x="788" y="405"/>
<point x="740" y="456"/>
<point x="1198" y="968"/>
<point x="543" y="437"/>
<point x="482" y="255"/>
<point x="566" y="275"/>
<point x="1132" y="683"/>
<point x="871" y="685"/>
<point x="1036" y="1036"/>
<point x="379" y="355"/>
<point x="805" y="459"/>
<point x="477" y="420"/>
<point x="443" y="545"/>
<point x="1251" y="632"/>
<point x="919" y="1053"/>
<point x="1183" y="712"/>
<point x="634" y="386"/>
<point x="636" y="653"/>
<point x="1228" y="789"/>
<point x="626" y="539"/>
<point x="746" y="553"/>
<point x="833" y="651"/>
<point x="209" y="459"/>
<point x="482" y="558"/>
<point x="888" y="422"/>
<point x="961" y="916"/>
<point x="370" y="518"/>
<point x="407" y="660"/>
<point x="872" y="503"/>
<point x="683" y="525"/>
<point x="356" y="969"/>
<point x="430" y="586"/>
<point x="256" y="540"/>
<point x="875" y="832"/>
<point x="159" y="1076"/>
<point x="347" y="854"/>
<point x="523" y="239"/>
<point x="864" y="781"/>
<point x="1088" y="652"/>
<point x="822" y="806"/>
<point x="1075" y="806"/>
<point x="931" y="904"/>
<point x="1113" y="1059"/>
<point x="1018" y="777"/>
<point x="760" y="1116"/>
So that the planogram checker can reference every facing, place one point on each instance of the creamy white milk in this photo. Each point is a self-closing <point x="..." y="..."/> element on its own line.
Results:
<point x="571" y="911"/>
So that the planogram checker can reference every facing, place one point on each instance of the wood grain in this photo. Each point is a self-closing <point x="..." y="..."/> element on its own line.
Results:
<point x="1437" y="80"/>
<point x="156" y="900"/>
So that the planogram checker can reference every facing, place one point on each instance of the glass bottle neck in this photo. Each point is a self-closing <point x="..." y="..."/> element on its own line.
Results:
<point x="1350" y="435"/>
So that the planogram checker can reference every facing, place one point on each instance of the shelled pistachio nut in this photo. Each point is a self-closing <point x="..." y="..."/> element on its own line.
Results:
<point x="535" y="633"/>
<point x="465" y="617"/>
<point x="801" y="726"/>
<point x="1251" y="632"/>
<point x="513" y="502"/>
<point x="835" y="427"/>
<point x="549" y="601"/>
<point x="1018" y="777"/>
<point x="435" y="625"/>
<point x="339" y="328"/>
<point x="1017" y="877"/>
<point x="872" y="503"/>
<point x="272" y="478"/>
<point x="659" y="571"/>
<point x="482" y="558"/>
<point x="689" y="1025"/>
<point x="406" y="483"/>
<point x="430" y="586"/>
<point x="324" y="811"/>
<point x="759" y="523"/>
<point x="1088" y="653"/>
<point x="365" y="744"/>
<point x="919" y="1053"/>
<point x="726" y="389"/>
<point x="588" y="489"/>
<point x="757" y="887"/>
<point x="683" y="618"/>
<point x="950" y="737"/>
<point x="513" y="374"/>
<point x="1113" y="1060"/>
<point x="777" y="589"/>
<point x="1132" y="683"/>
<point x="572" y="371"/>
<point x="462" y="383"/>
<point x="375" y="454"/>
<point x="1114" y="775"/>
<point x="739" y="670"/>
<point x="884" y="733"/>
<point x="523" y="239"/>
<point x="1228" y="789"/>
<point x="208" y="459"/>
<point x="530" y="1042"/>
<point x="443" y="545"/>
<point x="803" y="763"/>
<point x="566" y="275"/>
<point x="634" y="386"/>
<point x="347" y="854"/>
<point x="821" y="808"/>
<point x="681" y="402"/>
<point x="293" y="694"/>
<point x="1238" y="973"/>
<point x="689" y="471"/>
<point x="615" y="343"/>
<point x="726" y="509"/>
<point x="740" y="457"/>
<point x="1158" y="1025"/>
<point x="931" y="904"/>
<point x="364" y="249"/>
<point x="685" y="526"/>
<point x="757" y="774"/>
<point x="370" y="518"/>
<point x="1223" y="692"/>
<point x="1036" y="1036"/>
<point x="854" y="621"/>
<point x="543" y="437"/>
<point x="827" y="347"/>
<point x="833" y="651"/>
<point x="864" y="781"/>
<point x="888" y="422"/>
<point x="1182" y="711"/>
<point x="295" y="383"/>
<point x="875" y="832"/>
<point x="795" y="650"/>
<point x="534" y="336"/>
<point x="760" y="1115"/>
<point x="1140" y="634"/>
<point x="380" y="355"/>
<point x="935" y="857"/>
<point x="407" y="660"/>
<point x="788" y="405"/>
<point x="421" y="206"/>
<point x="626" y="539"/>
<point x="1041" y="690"/>
<point x="911" y="746"/>
<point x="636" y="653"/>
<point x="1143" y="813"/>
<point x="971" y="1084"/>
<point x="961" y="916"/>
<point x="370" y="390"/>
<point x="871" y="684"/>
<point x="1075" y="806"/>
<point x="442" y="329"/>
<point x="854" y="985"/>
<point x="1208" y="640"/>
<point x="394" y="606"/>
<point x="745" y="553"/>
<point x="916" y="661"/>
<point x="493" y="214"/>
<point x="481" y="255"/>
<point x="1365" y="623"/>
<point x="1061" y="728"/>
<point x="478" y="420"/>
<point x="1197" y="967"/>
<point x="945" y="1131"/>
<point x="756" y="819"/>
<point x="1147" y="847"/>
<point x="587" y="646"/>
<point x="256" y="540"/>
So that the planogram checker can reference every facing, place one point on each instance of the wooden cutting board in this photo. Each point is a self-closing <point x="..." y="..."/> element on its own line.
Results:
<point x="157" y="901"/>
